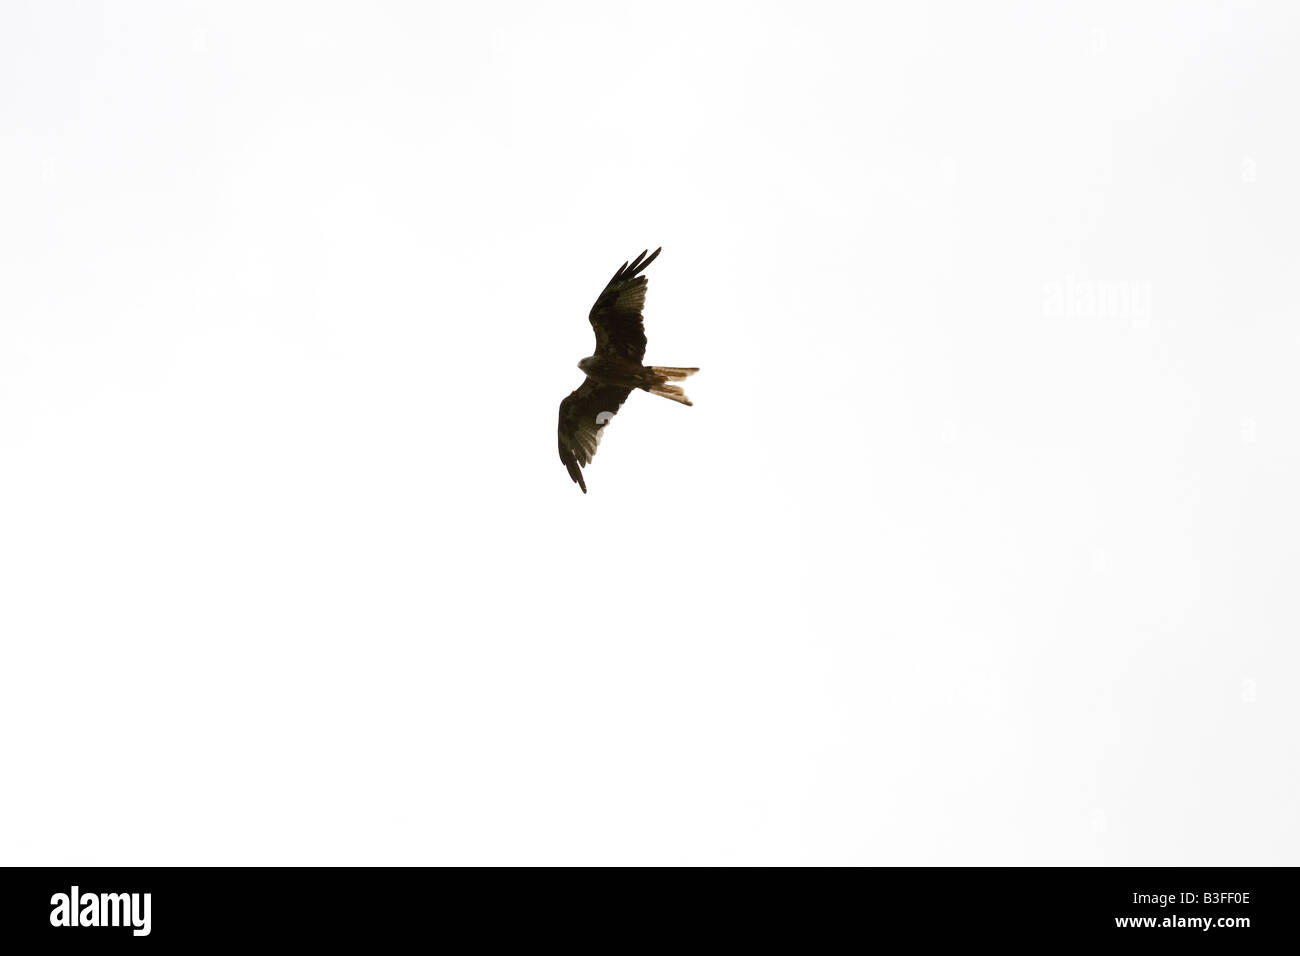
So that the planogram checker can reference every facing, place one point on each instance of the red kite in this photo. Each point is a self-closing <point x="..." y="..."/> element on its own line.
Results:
<point x="615" y="368"/>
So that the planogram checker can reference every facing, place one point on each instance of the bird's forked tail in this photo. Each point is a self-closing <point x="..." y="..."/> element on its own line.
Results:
<point x="662" y="374"/>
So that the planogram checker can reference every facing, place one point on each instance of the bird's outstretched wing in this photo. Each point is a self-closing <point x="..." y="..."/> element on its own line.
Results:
<point x="582" y="415"/>
<point x="616" y="316"/>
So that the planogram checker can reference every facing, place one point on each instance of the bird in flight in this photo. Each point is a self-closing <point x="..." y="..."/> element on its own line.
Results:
<point x="614" y="369"/>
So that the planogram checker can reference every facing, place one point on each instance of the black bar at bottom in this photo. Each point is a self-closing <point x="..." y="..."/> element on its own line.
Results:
<point x="368" y="908"/>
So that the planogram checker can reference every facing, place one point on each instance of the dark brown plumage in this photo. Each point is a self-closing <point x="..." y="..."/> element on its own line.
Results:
<point x="615" y="368"/>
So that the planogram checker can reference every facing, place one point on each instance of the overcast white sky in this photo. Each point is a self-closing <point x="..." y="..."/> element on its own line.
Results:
<point x="979" y="544"/>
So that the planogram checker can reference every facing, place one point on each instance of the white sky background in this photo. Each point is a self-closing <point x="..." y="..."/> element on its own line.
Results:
<point x="979" y="544"/>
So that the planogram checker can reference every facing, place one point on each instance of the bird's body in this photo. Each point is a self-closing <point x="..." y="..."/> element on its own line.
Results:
<point x="615" y="368"/>
<point x="611" y="370"/>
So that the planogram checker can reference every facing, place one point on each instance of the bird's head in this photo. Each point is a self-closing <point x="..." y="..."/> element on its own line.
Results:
<point x="587" y="363"/>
